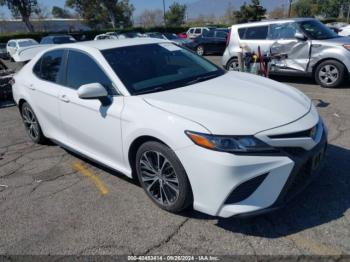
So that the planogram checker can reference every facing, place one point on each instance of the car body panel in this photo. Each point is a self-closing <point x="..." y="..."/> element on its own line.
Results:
<point x="217" y="101"/>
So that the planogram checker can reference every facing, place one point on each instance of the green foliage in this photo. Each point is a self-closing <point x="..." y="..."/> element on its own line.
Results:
<point x="175" y="16"/>
<point x="326" y="8"/>
<point x="102" y="13"/>
<point x="59" y="12"/>
<point x="23" y="9"/>
<point x="249" y="13"/>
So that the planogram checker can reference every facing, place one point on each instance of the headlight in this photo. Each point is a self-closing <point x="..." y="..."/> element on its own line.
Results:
<point x="233" y="144"/>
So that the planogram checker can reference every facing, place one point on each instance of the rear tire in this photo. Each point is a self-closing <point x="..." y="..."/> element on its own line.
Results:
<point x="330" y="74"/>
<point x="163" y="177"/>
<point x="32" y="125"/>
<point x="200" y="50"/>
<point x="233" y="65"/>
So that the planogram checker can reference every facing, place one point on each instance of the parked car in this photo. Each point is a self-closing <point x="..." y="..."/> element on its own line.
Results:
<point x="169" y="36"/>
<point x="57" y="39"/>
<point x="193" y="32"/>
<point x="192" y="134"/>
<point x="105" y="36"/>
<point x="14" y="45"/>
<point x="130" y="35"/>
<point x="309" y="48"/>
<point x="344" y="31"/>
<point x="3" y="51"/>
<point x="183" y="35"/>
<point x="210" y="42"/>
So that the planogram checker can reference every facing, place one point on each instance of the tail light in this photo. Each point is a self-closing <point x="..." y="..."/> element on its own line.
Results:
<point x="228" y="38"/>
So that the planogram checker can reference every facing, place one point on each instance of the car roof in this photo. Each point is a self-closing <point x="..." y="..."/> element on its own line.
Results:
<point x="274" y="21"/>
<point x="113" y="43"/>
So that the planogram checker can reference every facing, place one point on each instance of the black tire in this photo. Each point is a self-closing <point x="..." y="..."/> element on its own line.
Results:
<point x="184" y="197"/>
<point x="31" y="124"/>
<point x="200" y="50"/>
<point x="330" y="74"/>
<point x="233" y="65"/>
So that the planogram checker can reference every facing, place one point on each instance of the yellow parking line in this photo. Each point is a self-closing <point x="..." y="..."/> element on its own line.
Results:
<point x="314" y="246"/>
<point x="78" y="166"/>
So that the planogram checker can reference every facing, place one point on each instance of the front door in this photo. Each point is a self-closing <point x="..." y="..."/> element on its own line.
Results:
<point x="295" y="53"/>
<point x="93" y="128"/>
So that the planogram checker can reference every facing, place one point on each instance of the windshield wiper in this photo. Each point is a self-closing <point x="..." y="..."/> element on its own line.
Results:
<point x="153" y="90"/>
<point x="201" y="79"/>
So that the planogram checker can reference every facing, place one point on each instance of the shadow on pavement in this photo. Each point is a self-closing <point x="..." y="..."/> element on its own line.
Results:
<point x="326" y="199"/>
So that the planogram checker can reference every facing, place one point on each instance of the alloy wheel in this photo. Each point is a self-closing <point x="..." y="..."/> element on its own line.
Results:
<point x="328" y="74"/>
<point x="30" y="122"/>
<point x="234" y="65"/>
<point x="200" y="50"/>
<point x="159" y="177"/>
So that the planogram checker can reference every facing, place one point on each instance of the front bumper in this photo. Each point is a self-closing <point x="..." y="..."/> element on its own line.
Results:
<point x="215" y="176"/>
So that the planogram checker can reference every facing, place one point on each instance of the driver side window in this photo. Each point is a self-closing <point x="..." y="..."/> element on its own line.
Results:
<point x="82" y="69"/>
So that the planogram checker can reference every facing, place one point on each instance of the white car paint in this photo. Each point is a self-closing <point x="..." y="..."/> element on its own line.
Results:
<point x="14" y="45"/>
<point x="27" y="53"/>
<point x="232" y="104"/>
<point x="344" y="31"/>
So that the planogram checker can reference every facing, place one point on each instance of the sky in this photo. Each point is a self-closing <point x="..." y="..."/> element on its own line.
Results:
<point x="140" y="5"/>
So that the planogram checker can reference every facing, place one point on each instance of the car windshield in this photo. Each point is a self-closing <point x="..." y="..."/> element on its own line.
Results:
<point x="317" y="30"/>
<point x="27" y="43"/>
<point x="158" y="67"/>
<point x="63" y="39"/>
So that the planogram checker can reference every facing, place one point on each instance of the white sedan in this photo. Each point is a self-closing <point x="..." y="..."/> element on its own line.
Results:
<point x="14" y="45"/>
<point x="226" y="143"/>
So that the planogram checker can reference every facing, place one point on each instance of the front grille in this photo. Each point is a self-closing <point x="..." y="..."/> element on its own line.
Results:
<point x="293" y="151"/>
<point x="245" y="189"/>
<point x="306" y="133"/>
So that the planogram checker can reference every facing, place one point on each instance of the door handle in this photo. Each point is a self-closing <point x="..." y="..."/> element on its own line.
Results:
<point x="64" y="98"/>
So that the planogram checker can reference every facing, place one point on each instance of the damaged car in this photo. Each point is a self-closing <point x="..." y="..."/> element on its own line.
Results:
<point x="298" y="46"/>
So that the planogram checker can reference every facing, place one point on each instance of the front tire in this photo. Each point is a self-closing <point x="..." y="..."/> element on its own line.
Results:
<point x="163" y="177"/>
<point x="330" y="74"/>
<point x="32" y="125"/>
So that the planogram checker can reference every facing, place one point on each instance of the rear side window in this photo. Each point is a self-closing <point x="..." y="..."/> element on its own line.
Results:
<point x="255" y="33"/>
<point x="49" y="66"/>
<point x="221" y="34"/>
<point x="198" y="31"/>
<point x="241" y="32"/>
<point x="82" y="69"/>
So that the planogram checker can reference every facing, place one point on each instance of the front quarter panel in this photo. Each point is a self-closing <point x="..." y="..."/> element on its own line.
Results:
<point x="322" y="51"/>
<point x="141" y="119"/>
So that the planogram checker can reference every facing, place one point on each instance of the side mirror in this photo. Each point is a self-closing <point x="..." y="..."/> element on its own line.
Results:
<point x="300" y="36"/>
<point x="92" y="91"/>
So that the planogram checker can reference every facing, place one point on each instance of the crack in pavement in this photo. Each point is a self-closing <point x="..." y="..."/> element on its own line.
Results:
<point x="166" y="240"/>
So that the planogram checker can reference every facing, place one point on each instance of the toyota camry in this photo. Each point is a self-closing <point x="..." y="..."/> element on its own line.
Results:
<point x="192" y="134"/>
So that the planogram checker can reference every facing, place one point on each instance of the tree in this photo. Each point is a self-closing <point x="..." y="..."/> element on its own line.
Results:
<point x="249" y="13"/>
<point x="103" y="12"/>
<point x="175" y="16"/>
<point x="59" y="12"/>
<point x="305" y="8"/>
<point x="151" y="18"/>
<point x="24" y="9"/>
<point x="277" y="12"/>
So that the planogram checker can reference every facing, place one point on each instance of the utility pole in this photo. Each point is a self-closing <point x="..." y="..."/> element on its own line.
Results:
<point x="164" y="12"/>
<point x="290" y="7"/>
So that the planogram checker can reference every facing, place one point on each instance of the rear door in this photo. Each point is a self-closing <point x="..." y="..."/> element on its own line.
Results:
<point x="254" y="37"/>
<point x="295" y="52"/>
<point x="44" y="88"/>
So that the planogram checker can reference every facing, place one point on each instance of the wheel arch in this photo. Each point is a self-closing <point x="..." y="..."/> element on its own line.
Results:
<point x="233" y="57"/>
<point x="134" y="146"/>
<point x="314" y="67"/>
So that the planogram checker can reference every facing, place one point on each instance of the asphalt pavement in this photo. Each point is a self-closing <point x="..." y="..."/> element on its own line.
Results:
<point x="54" y="202"/>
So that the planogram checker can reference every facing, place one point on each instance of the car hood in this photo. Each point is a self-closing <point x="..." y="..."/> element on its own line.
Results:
<point x="234" y="104"/>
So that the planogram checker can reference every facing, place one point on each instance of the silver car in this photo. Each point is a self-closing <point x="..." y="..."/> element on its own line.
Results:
<point x="300" y="46"/>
